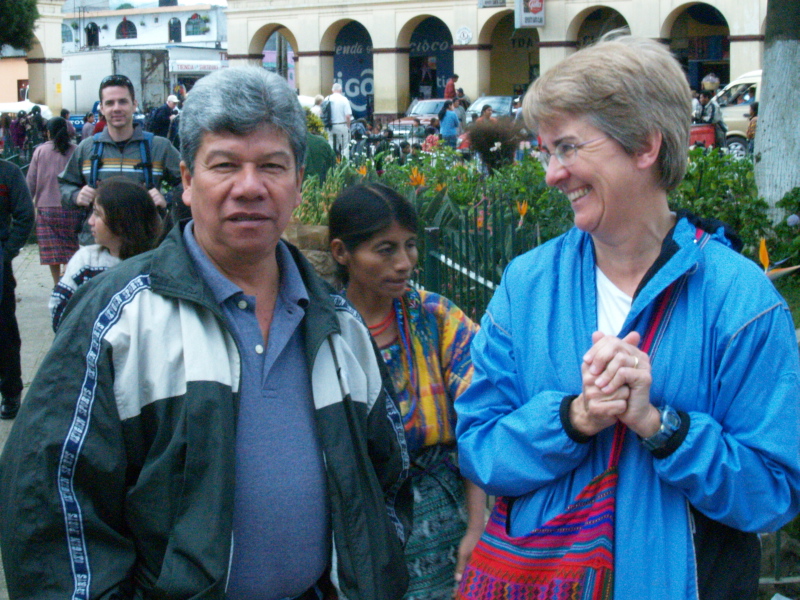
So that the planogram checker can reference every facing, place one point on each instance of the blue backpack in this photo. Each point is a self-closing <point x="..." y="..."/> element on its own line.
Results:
<point x="144" y="149"/>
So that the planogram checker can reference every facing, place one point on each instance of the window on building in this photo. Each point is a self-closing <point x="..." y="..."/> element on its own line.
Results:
<point x="66" y="34"/>
<point x="195" y="25"/>
<point x="174" y="30"/>
<point x="92" y="35"/>
<point x="126" y="30"/>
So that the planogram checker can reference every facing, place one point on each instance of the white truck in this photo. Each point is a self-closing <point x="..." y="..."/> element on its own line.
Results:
<point x="82" y="72"/>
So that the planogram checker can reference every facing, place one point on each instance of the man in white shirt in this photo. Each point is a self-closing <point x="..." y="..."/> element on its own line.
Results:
<point x="341" y="113"/>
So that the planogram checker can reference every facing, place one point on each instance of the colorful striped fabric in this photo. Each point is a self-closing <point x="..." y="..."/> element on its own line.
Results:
<point x="571" y="557"/>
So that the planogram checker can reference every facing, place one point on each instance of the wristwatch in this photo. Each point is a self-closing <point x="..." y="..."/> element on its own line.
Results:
<point x="670" y="423"/>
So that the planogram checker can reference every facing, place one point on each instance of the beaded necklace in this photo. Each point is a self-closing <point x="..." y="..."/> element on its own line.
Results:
<point x="378" y="329"/>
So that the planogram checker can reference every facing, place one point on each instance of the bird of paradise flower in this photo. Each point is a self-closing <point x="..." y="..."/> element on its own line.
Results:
<point x="774" y="273"/>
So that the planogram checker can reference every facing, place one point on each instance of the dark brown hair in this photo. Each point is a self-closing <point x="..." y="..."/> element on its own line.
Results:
<point x="130" y="214"/>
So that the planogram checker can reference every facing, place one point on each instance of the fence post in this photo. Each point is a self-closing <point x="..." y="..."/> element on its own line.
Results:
<point x="430" y="269"/>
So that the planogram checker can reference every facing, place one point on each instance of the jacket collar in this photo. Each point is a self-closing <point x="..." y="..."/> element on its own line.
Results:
<point x="173" y="274"/>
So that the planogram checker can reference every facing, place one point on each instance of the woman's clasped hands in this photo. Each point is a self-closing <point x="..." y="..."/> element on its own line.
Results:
<point x="616" y="387"/>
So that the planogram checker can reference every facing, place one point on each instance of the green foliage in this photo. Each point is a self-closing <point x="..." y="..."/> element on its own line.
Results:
<point x="314" y="124"/>
<point x="786" y="245"/>
<point x="723" y="187"/>
<point x="125" y="6"/>
<point x="18" y="18"/>
<point x="518" y="205"/>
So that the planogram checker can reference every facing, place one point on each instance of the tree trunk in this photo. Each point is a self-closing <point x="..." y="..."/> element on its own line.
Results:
<point x="777" y="147"/>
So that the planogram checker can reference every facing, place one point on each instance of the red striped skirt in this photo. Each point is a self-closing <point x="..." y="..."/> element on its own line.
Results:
<point x="56" y="231"/>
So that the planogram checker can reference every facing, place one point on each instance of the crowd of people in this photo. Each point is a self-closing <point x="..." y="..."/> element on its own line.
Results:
<point x="213" y="420"/>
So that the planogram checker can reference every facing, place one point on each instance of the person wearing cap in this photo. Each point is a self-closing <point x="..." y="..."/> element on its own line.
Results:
<point x="163" y="116"/>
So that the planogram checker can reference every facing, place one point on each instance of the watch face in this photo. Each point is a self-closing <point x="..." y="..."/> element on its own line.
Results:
<point x="670" y="419"/>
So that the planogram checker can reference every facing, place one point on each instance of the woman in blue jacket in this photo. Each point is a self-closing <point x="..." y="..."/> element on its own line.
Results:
<point x="449" y="124"/>
<point x="710" y="456"/>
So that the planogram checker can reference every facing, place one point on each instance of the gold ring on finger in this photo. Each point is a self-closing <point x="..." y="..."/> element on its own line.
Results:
<point x="635" y="362"/>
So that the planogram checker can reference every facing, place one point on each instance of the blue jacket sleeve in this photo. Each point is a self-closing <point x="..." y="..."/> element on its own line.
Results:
<point x="740" y="462"/>
<point x="510" y="442"/>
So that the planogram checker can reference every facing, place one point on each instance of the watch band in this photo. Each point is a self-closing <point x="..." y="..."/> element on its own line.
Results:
<point x="670" y="423"/>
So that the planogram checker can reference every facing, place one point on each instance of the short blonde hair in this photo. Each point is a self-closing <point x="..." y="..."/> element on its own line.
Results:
<point x="628" y="87"/>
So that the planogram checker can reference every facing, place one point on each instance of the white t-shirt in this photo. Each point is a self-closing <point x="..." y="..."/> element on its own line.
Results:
<point x="340" y="109"/>
<point x="613" y="305"/>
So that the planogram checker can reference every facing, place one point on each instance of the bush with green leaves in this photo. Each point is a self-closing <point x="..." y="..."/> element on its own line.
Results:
<point x="716" y="186"/>
<point x="723" y="187"/>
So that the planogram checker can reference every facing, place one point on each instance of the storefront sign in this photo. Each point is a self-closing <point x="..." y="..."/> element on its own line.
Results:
<point x="195" y="66"/>
<point x="491" y="3"/>
<point x="528" y="13"/>
<point x="352" y="66"/>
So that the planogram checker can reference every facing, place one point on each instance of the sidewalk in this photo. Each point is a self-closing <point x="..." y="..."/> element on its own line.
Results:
<point x="33" y="291"/>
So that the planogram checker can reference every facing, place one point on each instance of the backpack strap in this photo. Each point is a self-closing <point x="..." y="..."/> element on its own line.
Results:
<point x="96" y="158"/>
<point x="147" y="161"/>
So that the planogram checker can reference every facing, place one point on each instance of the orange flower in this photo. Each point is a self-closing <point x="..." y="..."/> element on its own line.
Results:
<point x="522" y="208"/>
<point x="416" y="179"/>
<point x="440" y="187"/>
<point x="362" y="170"/>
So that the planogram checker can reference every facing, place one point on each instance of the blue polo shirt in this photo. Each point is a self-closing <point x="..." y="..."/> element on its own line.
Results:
<point x="281" y="522"/>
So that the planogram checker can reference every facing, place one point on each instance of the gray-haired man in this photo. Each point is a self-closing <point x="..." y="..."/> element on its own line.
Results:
<point x="212" y="420"/>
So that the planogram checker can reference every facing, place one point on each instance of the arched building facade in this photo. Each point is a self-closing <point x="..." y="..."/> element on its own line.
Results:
<point x="386" y="52"/>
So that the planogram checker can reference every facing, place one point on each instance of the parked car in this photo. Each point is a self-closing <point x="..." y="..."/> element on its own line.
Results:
<point x="424" y="110"/>
<point x="501" y="107"/>
<point x="735" y="100"/>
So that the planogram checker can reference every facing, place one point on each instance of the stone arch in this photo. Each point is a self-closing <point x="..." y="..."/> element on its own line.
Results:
<point x="430" y="54"/>
<point x="279" y="55"/>
<point x="513" y="54"/>
<point x="353" y="67"/>
<point x="699" y="37"/>
<point x="592" y="23"/>
<point x="126" y="30"/>
<point x="260" y="37"/>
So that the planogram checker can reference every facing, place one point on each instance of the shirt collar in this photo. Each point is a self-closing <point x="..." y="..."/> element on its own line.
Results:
<point x="292" y="289"/>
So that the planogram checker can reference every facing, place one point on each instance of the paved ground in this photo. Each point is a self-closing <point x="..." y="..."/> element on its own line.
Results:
<point x="33" y="290"/>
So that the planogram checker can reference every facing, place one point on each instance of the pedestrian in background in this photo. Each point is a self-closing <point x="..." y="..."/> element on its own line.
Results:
<point x="751" y="128"/>
<point x="70" y="127"/>
<point x="56" y="226"/>
<point x="341" y="114"/>
<point x="16" y="222"/>
<point x="88" y="126"/>
<point x="450" y="87"/>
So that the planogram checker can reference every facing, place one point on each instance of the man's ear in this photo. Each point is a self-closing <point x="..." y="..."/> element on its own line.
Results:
<point x="339" y="252"/>
<point x="186" y="180"/>
<point x="301" y="172"/>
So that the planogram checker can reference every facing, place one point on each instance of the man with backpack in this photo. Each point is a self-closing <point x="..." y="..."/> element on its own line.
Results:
<point x="120" y="149"/>
<point x="336" y="115"/>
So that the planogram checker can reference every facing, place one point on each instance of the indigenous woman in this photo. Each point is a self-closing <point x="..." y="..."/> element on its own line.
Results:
<point x="56" y="227"/>
<point x="708" y="416"/>
<point x="424" y="339"/>
<point x="124" y="222"/>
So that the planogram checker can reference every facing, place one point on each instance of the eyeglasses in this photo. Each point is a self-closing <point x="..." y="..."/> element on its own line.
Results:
<point x="565" y="152"/>
<point x="115" y="80"/>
